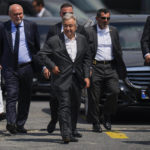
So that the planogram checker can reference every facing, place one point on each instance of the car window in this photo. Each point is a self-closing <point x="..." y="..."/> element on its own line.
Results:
<point x="130" y="41"/>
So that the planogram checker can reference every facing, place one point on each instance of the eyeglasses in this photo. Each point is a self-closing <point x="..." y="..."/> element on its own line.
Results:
<point x="103" y="18"/>
<point x="67" y="12"/>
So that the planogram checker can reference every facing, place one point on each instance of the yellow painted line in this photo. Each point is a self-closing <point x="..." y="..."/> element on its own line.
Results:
<point x="116" y="135"/>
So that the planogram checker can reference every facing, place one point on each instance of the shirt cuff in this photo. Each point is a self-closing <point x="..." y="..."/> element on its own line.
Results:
<point x="44" y="67"/>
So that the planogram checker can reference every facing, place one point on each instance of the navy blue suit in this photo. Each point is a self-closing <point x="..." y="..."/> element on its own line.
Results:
<point x="18" y="81"/>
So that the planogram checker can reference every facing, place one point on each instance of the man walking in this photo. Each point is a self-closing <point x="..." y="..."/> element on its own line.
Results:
<point x="54" y="30"/>
<point x="20" y="44"/>
<point x="107" y="66"/>
<point x="67" y="56"/>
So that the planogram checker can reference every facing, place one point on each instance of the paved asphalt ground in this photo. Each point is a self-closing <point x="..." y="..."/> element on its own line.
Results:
<point x="128" y="133"/>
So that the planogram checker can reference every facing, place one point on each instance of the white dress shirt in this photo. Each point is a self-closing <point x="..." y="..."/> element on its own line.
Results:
<point x="40" y="14"/>
<point x="104" y="45"/>
<point x="71" y="46"/>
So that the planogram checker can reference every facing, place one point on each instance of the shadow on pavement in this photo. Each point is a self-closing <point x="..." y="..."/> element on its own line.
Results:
<point x="137" y="142"/>
<point x="40" y="140"/>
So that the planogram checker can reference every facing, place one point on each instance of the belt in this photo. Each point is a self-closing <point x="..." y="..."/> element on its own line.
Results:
<point x="24" y="64"/>
<point x="101" y="62"/>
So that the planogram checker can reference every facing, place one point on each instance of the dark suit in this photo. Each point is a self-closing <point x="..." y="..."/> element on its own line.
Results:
<point x="46" y="13"/>
<point x="145" y="40"/>
<point x="104" y="76"/>
<point x="55" y="30"/>
<point x="18" y="79"/>
<point x="68" y="83"/>
<point x="1" y="34"/>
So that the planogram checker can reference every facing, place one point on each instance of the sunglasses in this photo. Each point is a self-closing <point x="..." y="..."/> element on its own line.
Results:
<point x="103" y="18"/>
<point x="67" y="12"/>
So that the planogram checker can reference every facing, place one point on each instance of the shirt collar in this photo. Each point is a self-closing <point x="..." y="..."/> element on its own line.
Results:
<point x="62" y="29"/>
<point x="102" y="30"/>
<point x="20" y="25"/>
<point x="40" y="14"/>
<point x="67" y="39"/>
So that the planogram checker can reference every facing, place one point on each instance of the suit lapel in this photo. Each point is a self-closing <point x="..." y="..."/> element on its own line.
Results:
<point x="8" y="35"/>
<point x="63" y="46"/>
<point x="112" y="37"/>
<point x="59" y="25"/>
<point x="27" y="31"/>
<point x="95" y="36"/>
<point x="78" y="46"/>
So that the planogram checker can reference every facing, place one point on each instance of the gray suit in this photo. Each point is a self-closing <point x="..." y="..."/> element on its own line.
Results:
<point x="46" y="13"/>
<point x="68" y="83"/>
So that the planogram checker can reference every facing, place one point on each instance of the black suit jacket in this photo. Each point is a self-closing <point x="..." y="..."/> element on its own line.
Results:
<point x="117" y="52"/>
<point x="56" y="55"/>
<point x="145" y="40"/>
<point x="1" y="36"/>
<point x="33" y="42"/>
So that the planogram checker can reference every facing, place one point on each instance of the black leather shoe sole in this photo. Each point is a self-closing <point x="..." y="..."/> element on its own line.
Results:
<point x="66" y="140"/>
<point x="73" y="139"/>
<point x="78" y="135"/>
<point x="21" y="130"/>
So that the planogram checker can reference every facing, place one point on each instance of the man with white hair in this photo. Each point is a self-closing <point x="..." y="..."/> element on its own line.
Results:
<point x="53" y="30"/>
<point x="20" y="43"/>
<point x="67" y="56"/>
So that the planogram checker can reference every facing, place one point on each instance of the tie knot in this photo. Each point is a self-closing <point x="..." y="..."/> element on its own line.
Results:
<point x="17" y="26"/>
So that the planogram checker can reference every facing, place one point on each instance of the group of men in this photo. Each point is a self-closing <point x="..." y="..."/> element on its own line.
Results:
<point x="73" y="58"/>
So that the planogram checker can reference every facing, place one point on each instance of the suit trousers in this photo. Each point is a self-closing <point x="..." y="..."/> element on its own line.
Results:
<point x="53" y="106"/>
<point x="18" y="87"/>
<point x="69" y="103"/>
<point x="104" y="81"/>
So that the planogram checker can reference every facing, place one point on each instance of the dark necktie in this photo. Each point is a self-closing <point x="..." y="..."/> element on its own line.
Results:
<point x="16" y="46"/>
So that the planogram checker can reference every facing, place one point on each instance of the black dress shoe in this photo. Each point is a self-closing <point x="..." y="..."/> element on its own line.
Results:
<point x="73" y="139"/>
<point x="106" y="122"/>
<point x="97" y="128"/>
<point x="2" y="116"/>
<point x="11" y="128"/>
<point x="66" y="140"/>
<point x="75" y="133"/>
<point x="51" y="126"/>
<point x="21" y="129"/>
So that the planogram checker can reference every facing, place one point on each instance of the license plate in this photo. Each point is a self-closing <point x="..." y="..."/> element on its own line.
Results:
<point x="144" y="94"/>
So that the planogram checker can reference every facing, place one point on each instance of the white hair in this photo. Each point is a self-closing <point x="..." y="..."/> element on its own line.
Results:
<point x="68" y="16"/>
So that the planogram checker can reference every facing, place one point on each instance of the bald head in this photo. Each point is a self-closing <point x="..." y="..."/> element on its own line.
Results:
<point x="16" y="13"/>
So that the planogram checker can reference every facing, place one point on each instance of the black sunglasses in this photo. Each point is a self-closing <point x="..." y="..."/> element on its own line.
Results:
<point x="67" y="12"/>
<point x="108" y="18"/>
